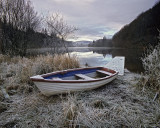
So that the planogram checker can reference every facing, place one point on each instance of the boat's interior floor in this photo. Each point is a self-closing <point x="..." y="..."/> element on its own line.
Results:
<point x="87" y="76"/>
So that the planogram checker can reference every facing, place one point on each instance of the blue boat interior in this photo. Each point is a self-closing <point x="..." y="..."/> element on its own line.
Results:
<point x="71" y="73"/>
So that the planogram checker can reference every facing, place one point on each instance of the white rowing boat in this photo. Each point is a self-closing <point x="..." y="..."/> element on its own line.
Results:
<point x="71" y="80"/>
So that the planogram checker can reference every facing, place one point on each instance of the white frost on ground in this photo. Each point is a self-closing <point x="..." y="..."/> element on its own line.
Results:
<point x="117" y="104"/>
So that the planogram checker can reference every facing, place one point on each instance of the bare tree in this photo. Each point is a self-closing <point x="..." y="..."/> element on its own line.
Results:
<point x="58" y="27"/>
<point x="18" y="18"/>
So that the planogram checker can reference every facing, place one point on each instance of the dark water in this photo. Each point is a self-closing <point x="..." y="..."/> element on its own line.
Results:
<point x="101" y="56"/>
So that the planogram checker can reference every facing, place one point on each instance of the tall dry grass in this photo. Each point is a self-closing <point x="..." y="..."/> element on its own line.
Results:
<point x="77" y="111"/>
<point x="151" y="64"/>
<point x="17" y="70"/>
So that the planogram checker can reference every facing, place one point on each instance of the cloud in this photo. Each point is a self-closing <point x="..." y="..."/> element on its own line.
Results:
<point x="95" y="18"/>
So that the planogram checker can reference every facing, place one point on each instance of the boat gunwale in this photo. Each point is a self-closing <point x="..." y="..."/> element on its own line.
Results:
<point x="73" y="81"/>
<point x="68" y="70"/>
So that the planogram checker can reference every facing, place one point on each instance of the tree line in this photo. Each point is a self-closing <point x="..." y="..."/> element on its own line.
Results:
<point x="21" y="28"/>
<point x="101" y="43"/>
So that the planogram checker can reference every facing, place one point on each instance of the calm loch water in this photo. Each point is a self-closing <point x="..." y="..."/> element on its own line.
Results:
<point x="98" y="56"/>
<point x="101" y="56"/>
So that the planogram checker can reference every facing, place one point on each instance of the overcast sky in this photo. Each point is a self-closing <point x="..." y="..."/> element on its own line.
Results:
<point x="95" y="18"/>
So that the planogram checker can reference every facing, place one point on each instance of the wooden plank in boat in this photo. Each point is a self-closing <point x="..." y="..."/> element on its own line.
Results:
<point x="84" y="77"/>
<point x="104" y="72"/>
<point x="56" y="78"/>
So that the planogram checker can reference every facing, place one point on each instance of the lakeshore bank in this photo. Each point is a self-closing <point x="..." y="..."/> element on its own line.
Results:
<point x="117" y="104"/>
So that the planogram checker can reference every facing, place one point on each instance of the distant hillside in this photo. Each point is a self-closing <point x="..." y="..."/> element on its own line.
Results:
<point x="140" y="32"/>
<point x="101" y="43"/>
<point x="81" y="43"/>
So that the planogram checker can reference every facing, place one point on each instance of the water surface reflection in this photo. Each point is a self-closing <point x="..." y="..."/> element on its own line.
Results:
<point x="102" y="55"/>
<point x="92" y="58"/>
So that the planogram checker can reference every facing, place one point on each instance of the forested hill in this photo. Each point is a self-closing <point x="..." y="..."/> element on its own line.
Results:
<point x="140" y="32"/>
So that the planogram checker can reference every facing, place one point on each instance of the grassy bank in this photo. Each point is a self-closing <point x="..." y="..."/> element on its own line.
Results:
<point x="115" y="105"/>
<point x="118" y="104"/>
<point x="16" y="72"/>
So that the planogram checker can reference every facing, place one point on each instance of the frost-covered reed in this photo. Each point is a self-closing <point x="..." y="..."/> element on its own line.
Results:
<point x="151" y="64"/>
<point x="17" y="70"/>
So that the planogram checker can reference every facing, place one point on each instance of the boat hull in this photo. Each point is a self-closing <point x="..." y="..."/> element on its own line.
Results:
<point x="52" y="88"/>
<point x="73" y="80"/>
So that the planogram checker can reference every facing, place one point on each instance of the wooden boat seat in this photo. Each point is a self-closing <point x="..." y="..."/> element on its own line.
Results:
<point x="104" y="72"/>
<point x="84" y="77"/>
<point x="56" y="78"/>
